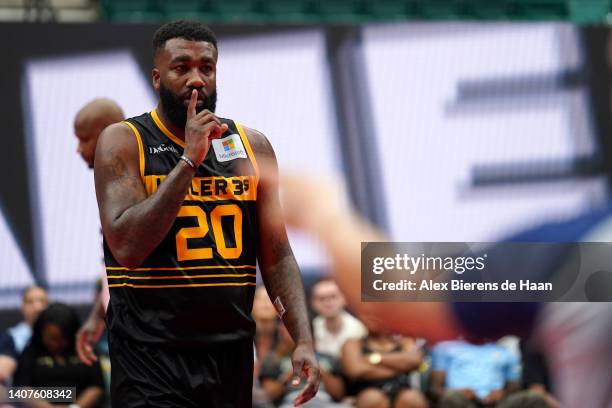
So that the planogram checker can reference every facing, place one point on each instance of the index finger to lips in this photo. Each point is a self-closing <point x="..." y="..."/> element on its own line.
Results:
<point x="191" y="109"/>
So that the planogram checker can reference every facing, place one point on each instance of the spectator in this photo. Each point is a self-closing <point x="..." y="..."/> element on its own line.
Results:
<point x="470" y="375"/>
<point x="8" y="363"/>
<point x="34" y="301"/>
<point x="267" y="326"/>
<point x="379" y="367"/>
<point x="13" y="341"/>
<point x="8" y="358"/>
<point x="334" y="325"/>
<point x="50" y="359"/>
<point x="276" y="374"/>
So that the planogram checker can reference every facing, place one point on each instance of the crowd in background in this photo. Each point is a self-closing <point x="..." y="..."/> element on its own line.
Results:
<point x="368" y="369"/>
<point x="359" y="368"/>
<point x="40" y="351"/>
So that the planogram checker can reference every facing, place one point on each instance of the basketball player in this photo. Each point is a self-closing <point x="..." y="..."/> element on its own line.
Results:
<point x="89" y="122"/>
<point x="185" y="217"/>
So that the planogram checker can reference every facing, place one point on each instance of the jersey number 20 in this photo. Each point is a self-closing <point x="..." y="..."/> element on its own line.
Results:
<point x="184" y="253"/>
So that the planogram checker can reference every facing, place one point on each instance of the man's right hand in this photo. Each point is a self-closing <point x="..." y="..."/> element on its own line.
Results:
<point x="87" y="337"/>
<point x="200" y="129"/>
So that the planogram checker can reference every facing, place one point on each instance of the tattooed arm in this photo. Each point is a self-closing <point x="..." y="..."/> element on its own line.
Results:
<point x="133" y="223"/>
<point x="280" y="271"/>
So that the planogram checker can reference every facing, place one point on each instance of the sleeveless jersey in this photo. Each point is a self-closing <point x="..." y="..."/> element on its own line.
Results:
<point x="197" y="286"/>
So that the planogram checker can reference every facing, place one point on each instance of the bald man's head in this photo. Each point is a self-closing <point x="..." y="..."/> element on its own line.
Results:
<point x="90" y="121"/>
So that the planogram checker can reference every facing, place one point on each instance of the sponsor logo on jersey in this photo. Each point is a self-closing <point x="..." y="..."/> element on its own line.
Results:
<point x="229" y="145"/>
<point x="162" y="148"/>
<point x="229" y="148"/>
<point x="242" y="188"/>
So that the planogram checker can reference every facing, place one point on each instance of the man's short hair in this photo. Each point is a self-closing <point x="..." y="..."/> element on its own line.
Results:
<point x="186" y="29"/>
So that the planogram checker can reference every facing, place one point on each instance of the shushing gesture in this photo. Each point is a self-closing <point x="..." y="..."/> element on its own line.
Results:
<point x="200" y="129"/>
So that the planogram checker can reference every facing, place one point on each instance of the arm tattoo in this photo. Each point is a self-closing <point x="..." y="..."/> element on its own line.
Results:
<point x="119" y="181"/>
<point x="115" y="169"/>
<point x="283" y="280"/>
<point x="129" y="211"/>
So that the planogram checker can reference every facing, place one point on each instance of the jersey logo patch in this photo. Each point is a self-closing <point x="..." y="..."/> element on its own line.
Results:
<point x="229" y="148"/>
<point x="162" y="148"/>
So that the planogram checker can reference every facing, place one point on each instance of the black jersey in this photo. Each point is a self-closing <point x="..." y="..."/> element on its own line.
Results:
<point x="197" y="286"/>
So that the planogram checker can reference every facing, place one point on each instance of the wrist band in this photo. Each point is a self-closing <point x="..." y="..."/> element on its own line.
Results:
<point x="188" y="161"/>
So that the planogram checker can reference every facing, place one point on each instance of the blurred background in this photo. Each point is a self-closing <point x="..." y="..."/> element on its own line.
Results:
<point x="446" y="120"/>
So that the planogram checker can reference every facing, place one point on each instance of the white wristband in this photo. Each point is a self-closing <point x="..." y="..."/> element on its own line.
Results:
<point x="188" y="161"/>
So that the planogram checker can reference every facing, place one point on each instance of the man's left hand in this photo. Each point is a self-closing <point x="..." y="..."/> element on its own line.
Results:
<point x="305" y="365"/>
<point x="87" y="337"/>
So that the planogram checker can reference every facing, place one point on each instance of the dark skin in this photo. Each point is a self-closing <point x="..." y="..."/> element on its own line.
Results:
<point x="280" y="271"/>
<point x="275" y="388"/>
<point x="188" y="68"/>
<point x="91" y="331"/>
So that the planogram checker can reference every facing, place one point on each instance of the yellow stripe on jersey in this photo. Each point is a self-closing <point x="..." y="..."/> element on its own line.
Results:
<point x="141" y="158"/>
<point x="165" y="130"/>
<point x="191" y="285"/>
<point x="242" y="275"/>
<point x="239" y="188"/>
<point x="247" y="145"/>
<point x="186" y="268"/>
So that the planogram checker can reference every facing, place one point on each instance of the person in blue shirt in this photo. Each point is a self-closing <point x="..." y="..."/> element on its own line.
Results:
<point x="34" y="301"/>
<point x="478" y="373"/>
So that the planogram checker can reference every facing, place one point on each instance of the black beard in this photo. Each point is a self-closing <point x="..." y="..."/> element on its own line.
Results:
<point x="174" y="108"/>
